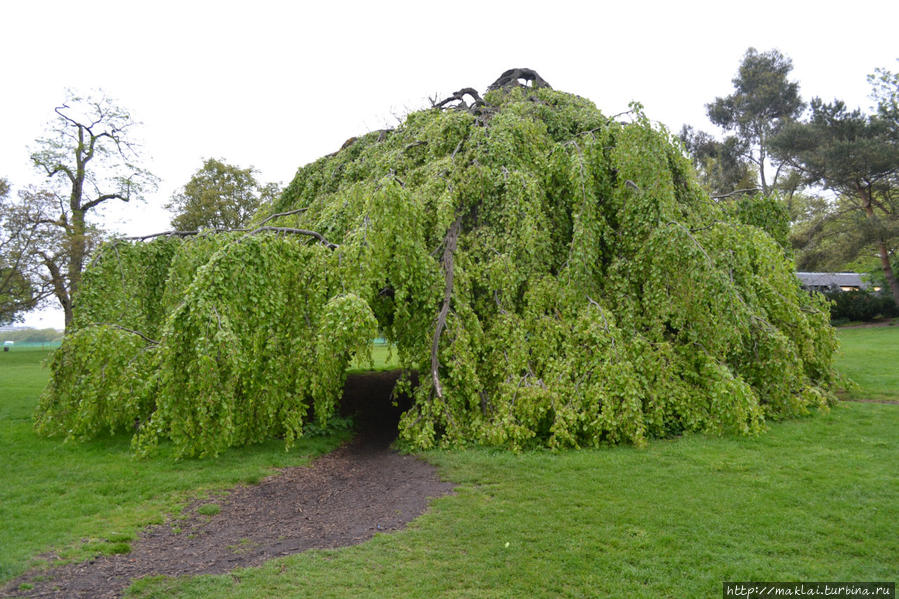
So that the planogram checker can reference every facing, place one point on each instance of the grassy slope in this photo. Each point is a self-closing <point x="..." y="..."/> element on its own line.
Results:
<point x="80" y="499"/>
<point x="812" y="499"/>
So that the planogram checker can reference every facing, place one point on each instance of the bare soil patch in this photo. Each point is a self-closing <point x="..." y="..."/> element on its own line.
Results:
<point x="343" y="498"/>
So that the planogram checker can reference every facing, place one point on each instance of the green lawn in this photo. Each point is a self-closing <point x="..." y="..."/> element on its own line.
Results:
<point x="383" y="358"/>
<point x="811" y="499"/>
<point x="870" y="357"/>
<point x="80" y="499"/>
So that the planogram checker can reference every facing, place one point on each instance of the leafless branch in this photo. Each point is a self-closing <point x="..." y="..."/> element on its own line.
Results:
<point x="259" y="229"/>
<point x="736" y="192"/>
<point x="319" y="236"/>
<point x="415" y="144"/>
<point x="459" y="97"/>
<point x="127" y="330"/>
<point x="280" y="214"/>
<point x="102" y="198"/>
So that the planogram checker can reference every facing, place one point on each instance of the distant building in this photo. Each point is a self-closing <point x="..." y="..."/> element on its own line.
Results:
<point x="832" y="281"/>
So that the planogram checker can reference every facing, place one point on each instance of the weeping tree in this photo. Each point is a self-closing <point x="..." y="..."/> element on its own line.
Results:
<point x="552" y="276"/>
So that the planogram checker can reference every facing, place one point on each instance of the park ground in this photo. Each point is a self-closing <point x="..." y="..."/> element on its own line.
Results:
<point x="810" y="499"/>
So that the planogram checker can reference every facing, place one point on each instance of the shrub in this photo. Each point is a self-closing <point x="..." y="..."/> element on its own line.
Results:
<point x="860" y="305"/>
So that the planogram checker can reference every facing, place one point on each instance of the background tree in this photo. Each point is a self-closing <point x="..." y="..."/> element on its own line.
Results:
<point x="17" y="295"/>
<point x="885" y="91"/>
<point x="856" y="156"/>
<point x="762" y="103"/>
<point x="89" y="158"/>
<point x="721" y="165"/>
<point x="219" y="196"/>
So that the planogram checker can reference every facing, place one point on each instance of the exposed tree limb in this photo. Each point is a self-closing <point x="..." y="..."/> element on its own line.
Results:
<point x="258" y="229"/>
<point x="415" y="144"/>
<point x="319" y="236"/>
<point x="280" y="214"/>
<point x="127" y="330"/>
<point x="512" y="78"/>
<point x="103" y="198"/>
<point x="736" y="192"/>
<point x="452" y="237"/>
<point x="459" y="96"/>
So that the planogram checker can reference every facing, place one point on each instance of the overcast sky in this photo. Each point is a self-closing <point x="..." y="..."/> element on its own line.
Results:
<point x="278" y="84"/>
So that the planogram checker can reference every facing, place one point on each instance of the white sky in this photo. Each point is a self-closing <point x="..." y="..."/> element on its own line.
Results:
<point x="277" y="84"/>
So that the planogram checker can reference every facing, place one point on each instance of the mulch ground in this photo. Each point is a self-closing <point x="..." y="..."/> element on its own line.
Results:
<point x="341" y="499"/>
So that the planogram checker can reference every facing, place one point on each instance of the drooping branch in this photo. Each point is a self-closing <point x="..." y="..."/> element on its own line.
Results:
<point x="127" y="330"/>
<point x="452" y="237"/>
<point x="280" y="214"/>
<point x="736" y="192"/>
<point x="319" y="236"/>
<point x="262" y="228"/>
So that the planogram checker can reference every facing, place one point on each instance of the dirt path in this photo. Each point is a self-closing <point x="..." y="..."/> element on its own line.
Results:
<point x="342" y="499"/>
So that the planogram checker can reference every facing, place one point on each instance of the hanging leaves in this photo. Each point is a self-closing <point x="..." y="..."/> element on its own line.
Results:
<point x="556" y="278"/>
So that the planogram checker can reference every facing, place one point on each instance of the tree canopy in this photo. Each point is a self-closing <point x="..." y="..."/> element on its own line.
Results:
<point x="555" y="277"/>
<point x="17" y="293"/>
<point x="89" y="157"/>
<point x="855" y="155"/>
<point x="763" y="101"/>
<point x="219" y="196"/>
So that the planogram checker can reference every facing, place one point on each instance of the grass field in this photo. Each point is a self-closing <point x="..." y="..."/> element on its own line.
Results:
<point x="870" y="357"/>
<point x="81" y="499"/>
<point x="383" y="358"/>
<point x="811" y="499"/>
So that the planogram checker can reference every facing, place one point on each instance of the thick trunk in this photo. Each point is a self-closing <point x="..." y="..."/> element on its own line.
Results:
<point x="77" y="249"/>
<point x="59" y="289"/>
<point x="888" y="273"/>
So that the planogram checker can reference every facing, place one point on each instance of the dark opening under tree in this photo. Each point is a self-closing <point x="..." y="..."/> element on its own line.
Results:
<point x="555" y="277"/>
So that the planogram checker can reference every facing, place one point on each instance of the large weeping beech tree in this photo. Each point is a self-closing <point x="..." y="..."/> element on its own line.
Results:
<point x="554" y="277"/>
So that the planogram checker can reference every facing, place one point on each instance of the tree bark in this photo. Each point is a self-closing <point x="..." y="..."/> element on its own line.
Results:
<point x="452" y="236"/>
<point x="888" y="274"/>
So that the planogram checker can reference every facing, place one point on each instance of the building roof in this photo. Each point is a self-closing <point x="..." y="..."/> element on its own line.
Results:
<point x="831" y="279"/>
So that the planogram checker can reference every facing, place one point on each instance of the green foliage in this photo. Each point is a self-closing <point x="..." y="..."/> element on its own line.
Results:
<point x="856" y="156"/>
<point x="860" y="305"/>
<point x="218" y="196"/>
<point x="211" y="342"/>
<point x="31" y="335"/>
<point x="762" y="103"/>
<point x="556" y="279"/>
<point x="17" y="292"/>
<point x="768" y="213"/>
